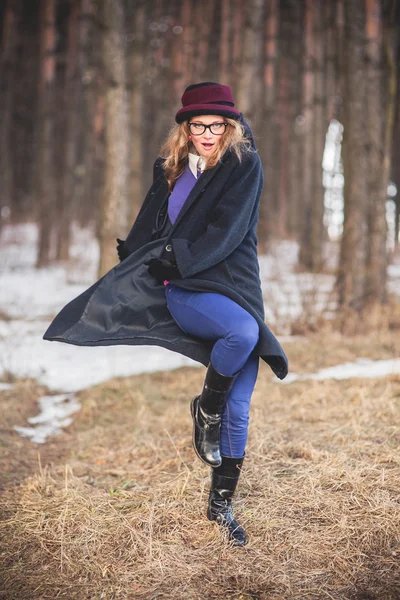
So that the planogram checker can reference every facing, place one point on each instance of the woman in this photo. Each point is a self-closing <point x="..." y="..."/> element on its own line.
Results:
<point x="189" y="281"/>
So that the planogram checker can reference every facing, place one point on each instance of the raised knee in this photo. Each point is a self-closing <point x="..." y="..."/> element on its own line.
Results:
<point x="247" y="334"/>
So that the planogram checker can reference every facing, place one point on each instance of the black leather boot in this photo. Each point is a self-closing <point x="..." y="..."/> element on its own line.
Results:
<point x="207" y="412"/>
<point x="223" y="485"/>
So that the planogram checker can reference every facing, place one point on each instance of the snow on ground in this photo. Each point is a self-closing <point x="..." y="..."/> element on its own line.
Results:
<point x="362" y="367"/>
<point x="55" y="414"/>
<point x="288" y="295"/>
<point x="5" y="386"/>
<point x="30" y="298"/>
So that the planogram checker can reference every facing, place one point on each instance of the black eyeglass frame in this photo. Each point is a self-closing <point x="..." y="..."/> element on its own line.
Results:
<point x="208" y="127"/>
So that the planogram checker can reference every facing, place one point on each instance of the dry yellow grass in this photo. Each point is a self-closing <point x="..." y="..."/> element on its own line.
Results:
<point x="122" y="514"/>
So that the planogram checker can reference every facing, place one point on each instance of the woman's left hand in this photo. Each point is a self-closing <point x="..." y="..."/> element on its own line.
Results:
<point x="163" y="270"/>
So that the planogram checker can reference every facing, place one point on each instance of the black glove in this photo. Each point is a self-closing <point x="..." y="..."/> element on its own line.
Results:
<point x="122" y="251"/>
<point x="163" y="270"/>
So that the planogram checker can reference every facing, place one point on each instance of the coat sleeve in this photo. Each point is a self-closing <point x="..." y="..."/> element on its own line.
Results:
<point x="229" y="222"/>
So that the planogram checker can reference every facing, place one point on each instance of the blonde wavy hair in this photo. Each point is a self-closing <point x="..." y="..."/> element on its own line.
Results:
<point x="176" y="148"/>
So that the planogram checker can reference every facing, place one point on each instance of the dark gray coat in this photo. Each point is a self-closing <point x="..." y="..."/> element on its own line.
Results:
<point x="214" y="243"/>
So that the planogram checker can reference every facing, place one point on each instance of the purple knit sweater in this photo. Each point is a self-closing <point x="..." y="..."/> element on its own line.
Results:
<point x="181" y="191"/>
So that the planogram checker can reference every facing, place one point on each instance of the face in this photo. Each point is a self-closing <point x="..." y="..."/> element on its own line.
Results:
<point x="207" y="142"/>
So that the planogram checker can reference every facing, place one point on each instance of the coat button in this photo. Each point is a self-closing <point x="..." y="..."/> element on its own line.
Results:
<point x="168" y="248"/>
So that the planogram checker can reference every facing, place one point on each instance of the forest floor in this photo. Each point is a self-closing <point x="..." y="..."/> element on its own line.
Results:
<point x="114" y="507"/>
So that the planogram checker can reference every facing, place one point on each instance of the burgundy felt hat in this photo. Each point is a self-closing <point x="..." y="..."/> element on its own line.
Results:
<point x="208" y="98"/>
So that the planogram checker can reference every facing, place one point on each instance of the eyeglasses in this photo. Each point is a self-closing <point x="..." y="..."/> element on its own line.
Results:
<point x="215" y="128"/>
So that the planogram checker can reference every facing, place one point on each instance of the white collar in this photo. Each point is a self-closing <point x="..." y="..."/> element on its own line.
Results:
<point x="196" y="162"/>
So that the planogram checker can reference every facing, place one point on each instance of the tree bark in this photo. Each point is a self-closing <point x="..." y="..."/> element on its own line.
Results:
<point x="395" y="159"/>
<point x="319" y="127"/>
<point x="377" y="179"/>
<point x="268" y="128"/>
<point x="305" y="258"/>
<point x="45" y="183"/>
<point x="351" y="272"/>
<point x="116" y="178"/>
<point x="136" y="66"/>
<point x="248" y="86"/>
<point x="65" y="202"/>
<point x="391" y="50"/>
<point x="294" y="198"/>
<point x="88" y="175"/>
<point x="202" y="12"/>
<point x="237" y="35"/>
<point x="9" y="37"/>
<point x="225" y="67"/>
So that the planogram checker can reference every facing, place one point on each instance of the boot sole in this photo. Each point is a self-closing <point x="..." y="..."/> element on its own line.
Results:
<point x="194" y="436"/>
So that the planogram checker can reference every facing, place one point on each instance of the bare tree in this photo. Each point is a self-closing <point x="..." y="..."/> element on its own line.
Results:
<point x="295" y="203"/>
<point x="268" y="127"/>
<point x="45" y="183"/>
<point x="377" y="176"/>
<point x="248" y="88"/>
<point x="351" y="272"/>
<point x="116" y="179"/>
<point x="314" y="130"/>
<point x="319" y="127"/>
<point x="7" y="71"/>
<point x="201" y="15"/>
<point x="226" y="49"/>
<point x="70" y="107"/>
<point x="137" y="22"/>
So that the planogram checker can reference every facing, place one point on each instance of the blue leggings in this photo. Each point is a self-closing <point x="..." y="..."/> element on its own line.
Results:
<point x="212" y="317"/>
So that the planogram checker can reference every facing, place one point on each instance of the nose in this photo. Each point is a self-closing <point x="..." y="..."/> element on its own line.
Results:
<point x="208" y="135"/>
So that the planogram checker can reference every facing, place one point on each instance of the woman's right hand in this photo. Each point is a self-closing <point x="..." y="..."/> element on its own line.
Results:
<point x="122" y="251"/>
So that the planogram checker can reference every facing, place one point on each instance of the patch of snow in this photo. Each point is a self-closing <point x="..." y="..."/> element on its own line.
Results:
<point x="68" y="368"/>
<point x="362" y="367"/>
<point x="5" y="386"/>
<point x="55" y="414"/>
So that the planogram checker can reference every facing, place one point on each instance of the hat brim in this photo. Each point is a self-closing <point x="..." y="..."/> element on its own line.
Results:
<point x="195" y="110"/>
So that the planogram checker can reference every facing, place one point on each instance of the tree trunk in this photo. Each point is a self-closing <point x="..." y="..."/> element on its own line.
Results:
<point x="248" y="85"/>
<point x="87" y="184"/>
<point x="65" y="202"/>
<point x="176" y="74"/>
<point x="202" y="12"/>
<point x="8" y="59"/>
<point x="305" y="257"/>
<point x="268" y="129"/>
<point x="45" y="183"/>
<point x="377" y="179"/>
<point x="395" y="162"/>
<point x="237" y="34"/>
<point x="214" y="42"/>
<point x="225" y="67"/>
<point x="294" y="199"/>
<point x="116" y="178"/>
<point x="351" y="272"/>
<point x="391" y="49"/>
<point x="284" y="134"/>
<point x="136" y="66"/>
<point x="331" y="60"/>
<point x="319" y="126"/>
